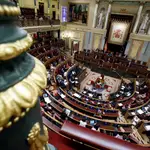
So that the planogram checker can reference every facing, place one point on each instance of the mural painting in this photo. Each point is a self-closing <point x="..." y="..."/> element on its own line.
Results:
<point x="78" y="13"/>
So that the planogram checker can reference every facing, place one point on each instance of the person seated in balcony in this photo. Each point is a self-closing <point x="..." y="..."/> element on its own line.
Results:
<point x="41" y="19"/>
<point x="83" y="122"/>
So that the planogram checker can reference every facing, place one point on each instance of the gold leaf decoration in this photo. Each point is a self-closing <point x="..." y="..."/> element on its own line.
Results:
<point x="9" y="10"/>
<point x="36" y="140"/>
<point x="11" y="50"/>
<point x="23" y="95"/>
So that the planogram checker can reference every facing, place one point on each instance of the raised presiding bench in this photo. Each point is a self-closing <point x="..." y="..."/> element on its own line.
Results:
<point x="96" y="139"/>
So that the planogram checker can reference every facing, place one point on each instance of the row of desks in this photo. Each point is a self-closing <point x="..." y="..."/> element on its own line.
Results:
<point x="86" y="108"/>
<point x="77" y="116"/>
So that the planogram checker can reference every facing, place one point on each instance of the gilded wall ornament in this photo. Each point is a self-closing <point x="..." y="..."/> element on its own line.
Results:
<point x="35" y="139"/>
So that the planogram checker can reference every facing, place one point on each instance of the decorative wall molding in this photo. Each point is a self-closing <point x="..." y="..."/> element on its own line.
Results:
<point x="85" y="29"/>
<point x="140" y="37"/>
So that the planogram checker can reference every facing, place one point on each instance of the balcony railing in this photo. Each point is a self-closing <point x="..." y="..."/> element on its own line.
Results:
<point x="34" y="22"/>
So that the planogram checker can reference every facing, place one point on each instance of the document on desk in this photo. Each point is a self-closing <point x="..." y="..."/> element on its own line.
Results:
<point x="133" y="113"/>
<point x="120" y="104"/>
<point x="77" y="95"/>
<point x="62" y="96"/>
<point x="140" y="111"/>
<point x="90" y="95"/>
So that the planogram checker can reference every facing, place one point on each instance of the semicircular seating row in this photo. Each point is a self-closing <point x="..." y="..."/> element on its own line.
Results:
<point x="59" y="98"/>
<point x="104" y="60"/>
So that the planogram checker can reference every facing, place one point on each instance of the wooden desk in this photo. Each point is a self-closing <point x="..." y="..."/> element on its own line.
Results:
<point x="77" y="116"/>
<point x="86" y="107"/>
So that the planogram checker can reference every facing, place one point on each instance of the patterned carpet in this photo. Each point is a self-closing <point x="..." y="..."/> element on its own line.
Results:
<point x="112" y="83"/>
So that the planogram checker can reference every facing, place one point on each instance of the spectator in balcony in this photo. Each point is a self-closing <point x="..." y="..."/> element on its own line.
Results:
<point x="41" y="19"/>
<point x="93" y="128"/>
<point x="51" y="22"/>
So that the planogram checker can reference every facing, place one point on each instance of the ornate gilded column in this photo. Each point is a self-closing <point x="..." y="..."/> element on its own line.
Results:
<point x="138" y="17"/>
<point x="22" y="79"/>
<point x="107" y="15"/>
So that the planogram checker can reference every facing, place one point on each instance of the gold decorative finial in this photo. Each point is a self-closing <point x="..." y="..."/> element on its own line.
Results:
<point x="23" y="95"/>
<point x="13" y="49"/>
<point x="6" y="10"/>
<point x="35" y="139"/>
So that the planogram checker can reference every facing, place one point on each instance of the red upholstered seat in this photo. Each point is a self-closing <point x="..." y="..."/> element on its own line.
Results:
<point x="106" y="86"/>
<point x="92" y="82"/>
<point x="98" y="86"/>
